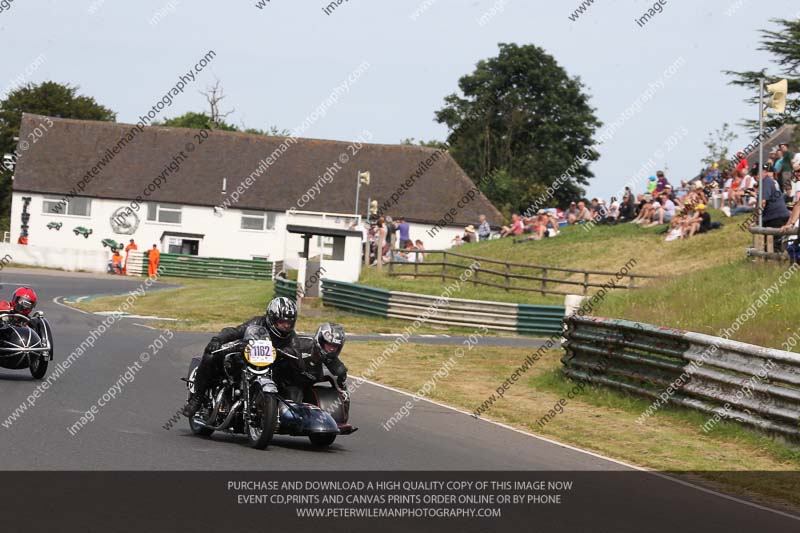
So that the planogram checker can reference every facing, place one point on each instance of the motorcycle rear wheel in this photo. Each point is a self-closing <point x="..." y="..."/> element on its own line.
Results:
<point x="261" y="429"/>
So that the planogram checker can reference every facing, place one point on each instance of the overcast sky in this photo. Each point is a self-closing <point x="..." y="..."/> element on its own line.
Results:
<point x="278" y="63"/>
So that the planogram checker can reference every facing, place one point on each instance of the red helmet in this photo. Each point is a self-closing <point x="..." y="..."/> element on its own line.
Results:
<point x="23" y="300"/>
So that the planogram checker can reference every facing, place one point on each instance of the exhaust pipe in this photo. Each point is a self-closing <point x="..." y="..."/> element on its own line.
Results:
<point x="226" y="422"/>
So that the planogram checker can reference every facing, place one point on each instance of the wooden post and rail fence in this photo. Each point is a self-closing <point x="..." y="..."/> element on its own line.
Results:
<point x="508" y="275"/>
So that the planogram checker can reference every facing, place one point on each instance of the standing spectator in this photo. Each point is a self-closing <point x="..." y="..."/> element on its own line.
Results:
<point x="774" y="213"/>
<point x="382" y="247"/>
<point x="391" y="233"/>
<point x="515" y="228"/>
<point x="651" y="184"/>
<point x="128" y="249"/>
<point x="153" y="258"/>
<point x="403" y="229"/>
<point x="786" y="168"/>
<point x="661" y="181"/>
<point x="484" y="230"/>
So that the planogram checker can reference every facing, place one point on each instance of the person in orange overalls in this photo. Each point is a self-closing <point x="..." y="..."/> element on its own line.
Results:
<point x="128" y="249"/>
<point x="116" y="262"/>
<point x="153" y="256"/>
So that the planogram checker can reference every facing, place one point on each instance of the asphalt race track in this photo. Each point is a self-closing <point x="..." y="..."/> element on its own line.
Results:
<point x="128" y="433"/>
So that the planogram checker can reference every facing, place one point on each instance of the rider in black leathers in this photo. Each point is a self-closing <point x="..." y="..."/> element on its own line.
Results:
<point x="279" y="320"/>
<point x="317" y="352"/>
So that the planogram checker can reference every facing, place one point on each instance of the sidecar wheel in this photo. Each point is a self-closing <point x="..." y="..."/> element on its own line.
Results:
<point x="38" y="367"/>
<point x="322" y="439"/>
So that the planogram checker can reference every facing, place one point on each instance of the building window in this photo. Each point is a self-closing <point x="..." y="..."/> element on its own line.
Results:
<point x="75" y="206"/>
<point x="168" y="214"/>
<point x="252" y="220"/>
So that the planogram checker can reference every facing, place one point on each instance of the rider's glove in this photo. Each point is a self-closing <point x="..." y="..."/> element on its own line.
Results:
<point x="213" y="345"/>
<point x="342" y="381"/>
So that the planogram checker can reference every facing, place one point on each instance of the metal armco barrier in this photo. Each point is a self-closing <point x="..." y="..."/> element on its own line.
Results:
<point x="527" y="319"/>
<point x="728" y="379"/>
<point x="192" y="266"/>
<point x="286" y="288"/>
<point x="355" y="298"/>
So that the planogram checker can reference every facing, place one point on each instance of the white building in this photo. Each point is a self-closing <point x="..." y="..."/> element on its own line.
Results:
<point x="220" y="194"/>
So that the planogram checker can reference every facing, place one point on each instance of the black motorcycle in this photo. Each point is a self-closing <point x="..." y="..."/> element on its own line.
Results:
<point x="245" y="399"/>
<point x="25" y="342"/>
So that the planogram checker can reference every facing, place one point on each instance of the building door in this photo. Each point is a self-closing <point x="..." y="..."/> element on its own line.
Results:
<point x="190" y="247"/>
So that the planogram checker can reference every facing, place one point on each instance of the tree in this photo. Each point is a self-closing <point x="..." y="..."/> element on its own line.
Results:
<point x="784" y="45"/>
<point x="198" y="121"/>
<point x="411" y="141"/>
<point x="520" y="112"/>
<point x="51" y="99"/>
<point x="717" y="144"/>
<point x="214" y="95"/>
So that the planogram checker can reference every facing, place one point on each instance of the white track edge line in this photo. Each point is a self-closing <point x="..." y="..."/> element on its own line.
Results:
<point x="55" y="300"/>
<point x="593" y="454"/>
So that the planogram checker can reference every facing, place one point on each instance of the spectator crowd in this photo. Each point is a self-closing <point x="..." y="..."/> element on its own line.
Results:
<point x="681" y="210"/>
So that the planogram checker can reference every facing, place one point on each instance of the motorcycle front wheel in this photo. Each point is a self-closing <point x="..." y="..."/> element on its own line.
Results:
<point x="263" y="420"/>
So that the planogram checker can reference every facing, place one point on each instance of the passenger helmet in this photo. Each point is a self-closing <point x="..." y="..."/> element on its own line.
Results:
<point x="281" y="317"/>
<point x="23" y="300"/>
<point x="329" y="340"/>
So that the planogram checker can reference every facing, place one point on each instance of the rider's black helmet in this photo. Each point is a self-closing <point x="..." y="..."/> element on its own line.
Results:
<point x="281" y="317"/>
<point x="329" y="340"/>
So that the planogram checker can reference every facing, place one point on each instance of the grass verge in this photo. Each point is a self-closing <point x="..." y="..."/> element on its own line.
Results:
<point x="211" y="304"/>
<point x="599" y="419"/>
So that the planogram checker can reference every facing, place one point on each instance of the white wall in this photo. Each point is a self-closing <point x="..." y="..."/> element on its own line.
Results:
<point x="223" y="234"/>
<point x="66" y="258"/>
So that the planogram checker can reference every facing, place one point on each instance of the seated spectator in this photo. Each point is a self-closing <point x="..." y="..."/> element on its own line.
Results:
<point x="700" y="221"/>
<point x="514" y="229"/>
<point x="116" y="262"/>
<point x="626" y="209"/>
<point x="665" y="212"/>
<point x="613" y="211"/>
<point x="572" y="213"/>
<point x="469" y="235"/>
<point x="683" y="190"/>
<point x="484" y="230"/>
<point x="646" y="209"/>
<point x="420" y="249"/>
<point x="457" y="240"/>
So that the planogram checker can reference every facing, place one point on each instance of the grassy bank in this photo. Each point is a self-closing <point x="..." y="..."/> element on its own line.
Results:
<point x="598" y="419"/>
<point x="604" y="248"/>
<point x="210" y="305"/>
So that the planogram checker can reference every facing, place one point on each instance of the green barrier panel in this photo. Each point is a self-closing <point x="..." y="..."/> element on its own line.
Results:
<point x="355" y="298"/>
<point x="192" y="266"/>
<point x="286" y="288"/>
<point x="539" y="319"/>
